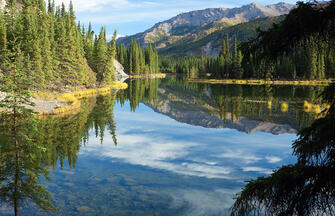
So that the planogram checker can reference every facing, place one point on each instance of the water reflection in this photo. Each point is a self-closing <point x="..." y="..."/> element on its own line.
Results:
<point x="21" y="167"/>
<point x="270" y="109"/>
<point x="125" y="159"/>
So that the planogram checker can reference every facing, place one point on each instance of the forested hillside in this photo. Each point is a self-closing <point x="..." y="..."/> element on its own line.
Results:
<point x="56" y="51"/>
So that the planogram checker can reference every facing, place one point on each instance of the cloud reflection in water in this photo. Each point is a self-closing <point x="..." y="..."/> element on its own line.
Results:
<point x="158" y="142"/>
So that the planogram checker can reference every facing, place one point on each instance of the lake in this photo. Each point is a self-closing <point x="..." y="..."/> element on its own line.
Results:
<point x="169" y="147"/>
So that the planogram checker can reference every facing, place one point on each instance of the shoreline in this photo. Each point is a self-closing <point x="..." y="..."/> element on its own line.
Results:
<point x="264" y="82"/>
<point x="148" y="76"/>
<point x="56" y="103"/>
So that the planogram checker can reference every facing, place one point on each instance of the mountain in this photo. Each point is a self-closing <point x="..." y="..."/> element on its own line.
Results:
<point x="196" y="25"/>
<point x="210" y="44"/>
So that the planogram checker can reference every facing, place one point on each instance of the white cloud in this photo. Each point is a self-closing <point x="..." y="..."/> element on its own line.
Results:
<point x="109" y="37"/>
<point x="157" y="152"/>
<point x="103" y="5"/>
<point x="93" y="6"/>
<point x="242" y="156"/>
<point x="257" y="169"/>
<point x="152" y="140"/>
<point x="273" y="159"/>
<point x="216" y="202"/>
<point x="131" y="17"/>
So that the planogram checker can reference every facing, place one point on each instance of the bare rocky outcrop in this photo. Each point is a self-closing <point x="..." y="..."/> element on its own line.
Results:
<point x="2" y="4"/>
<point x="2" y="95"/>
<point x="121" y="76"/>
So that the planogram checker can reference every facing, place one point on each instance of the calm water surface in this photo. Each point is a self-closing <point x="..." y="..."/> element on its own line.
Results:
<point x="168" y="147"/>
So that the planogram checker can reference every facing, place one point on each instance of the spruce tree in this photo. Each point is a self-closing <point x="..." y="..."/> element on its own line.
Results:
<point x="236" y="67"/>
<point x="31" y="44"/>
<point x="45" y="28"/>
<point x="109" y="72"/>
<point x="312" y="60"/>
<point x="227" y="58"/>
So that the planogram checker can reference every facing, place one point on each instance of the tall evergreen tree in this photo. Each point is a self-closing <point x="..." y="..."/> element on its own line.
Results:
<point x="31" y="43"/>
<point x="237" y="67"/>
<point x="100" y="55"/>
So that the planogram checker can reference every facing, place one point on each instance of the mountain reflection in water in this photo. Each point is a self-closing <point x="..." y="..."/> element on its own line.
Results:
<point x="246" y="108"/>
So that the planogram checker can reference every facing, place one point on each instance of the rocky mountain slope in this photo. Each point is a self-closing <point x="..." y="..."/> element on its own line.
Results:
<point x="196" y="25"/>
<point x="210" y="44"/>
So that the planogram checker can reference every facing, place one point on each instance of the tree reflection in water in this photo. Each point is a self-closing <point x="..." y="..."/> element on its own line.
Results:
<point x="21" y="164"/>
<point x="26" y="156"/>
<point x="305" y="188"/>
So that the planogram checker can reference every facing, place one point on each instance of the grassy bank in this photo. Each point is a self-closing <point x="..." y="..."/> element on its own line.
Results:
<point x="263" y="82"/>
<point x="148" y="76"/>
<point x="72" y="99"/>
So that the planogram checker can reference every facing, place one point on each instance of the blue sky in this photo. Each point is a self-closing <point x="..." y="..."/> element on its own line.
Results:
<point x="133" y="16"/>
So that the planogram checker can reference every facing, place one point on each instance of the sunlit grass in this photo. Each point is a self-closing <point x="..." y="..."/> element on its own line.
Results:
<point x="263" y="82"/>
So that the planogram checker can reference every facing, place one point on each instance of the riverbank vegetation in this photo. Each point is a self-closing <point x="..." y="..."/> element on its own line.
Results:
<point x="72" y="98"/>
<point x="57" y="51"/>
<point x="284" y="52"/>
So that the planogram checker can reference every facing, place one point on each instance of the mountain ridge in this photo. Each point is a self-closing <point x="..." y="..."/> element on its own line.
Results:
<point x="198" y="23"/>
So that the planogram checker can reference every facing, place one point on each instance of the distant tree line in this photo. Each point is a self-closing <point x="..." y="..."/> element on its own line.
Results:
<point x="302" y="46"/>
<point x="137" y="60"/>
<point x="56" y="50"/>
<point x="227" y="65"/>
